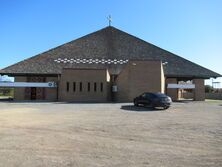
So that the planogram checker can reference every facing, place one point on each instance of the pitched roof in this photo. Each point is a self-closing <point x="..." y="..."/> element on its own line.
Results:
<point x="108" y="43"/>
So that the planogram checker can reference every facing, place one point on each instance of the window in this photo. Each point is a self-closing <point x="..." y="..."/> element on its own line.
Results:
<point x="80" y="86"/>
<point x="101" y="87"/>
<point x="95" y="87"/>
<point x="88" y="86"/>
<point x="148" y="95"/>
<point x="67" y="86"/>
<point x="74" y="86"/>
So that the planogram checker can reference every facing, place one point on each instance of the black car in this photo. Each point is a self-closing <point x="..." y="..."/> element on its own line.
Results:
<point x="153" y="100"/>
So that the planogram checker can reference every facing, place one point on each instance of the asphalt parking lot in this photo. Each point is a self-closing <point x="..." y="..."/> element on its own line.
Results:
<point x="109" y="135"/>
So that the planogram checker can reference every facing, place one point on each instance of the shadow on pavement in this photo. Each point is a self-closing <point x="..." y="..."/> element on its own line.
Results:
<point x="138" y="109"/>
<point x="183" y="101"/>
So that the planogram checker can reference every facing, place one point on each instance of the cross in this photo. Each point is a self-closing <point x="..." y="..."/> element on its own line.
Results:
<point x="109" y="18"/>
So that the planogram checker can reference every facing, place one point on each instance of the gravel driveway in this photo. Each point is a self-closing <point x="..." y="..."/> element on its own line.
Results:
<point x="110" y="135"/>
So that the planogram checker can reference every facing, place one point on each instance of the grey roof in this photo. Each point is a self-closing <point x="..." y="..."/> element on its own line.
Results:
<point x="107" y="43"/>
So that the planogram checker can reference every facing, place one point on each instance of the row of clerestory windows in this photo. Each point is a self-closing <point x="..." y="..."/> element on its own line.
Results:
<point x="90" y="86"/>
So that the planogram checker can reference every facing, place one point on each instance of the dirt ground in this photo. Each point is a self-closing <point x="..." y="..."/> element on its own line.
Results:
<point x="110" y="135"/>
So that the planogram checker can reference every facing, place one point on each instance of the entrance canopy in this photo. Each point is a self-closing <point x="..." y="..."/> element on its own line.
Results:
<point x="181" y="86"/>
<point x="29" y="84"/>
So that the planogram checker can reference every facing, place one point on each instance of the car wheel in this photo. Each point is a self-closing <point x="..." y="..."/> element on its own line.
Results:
<point x="166" y="107"/>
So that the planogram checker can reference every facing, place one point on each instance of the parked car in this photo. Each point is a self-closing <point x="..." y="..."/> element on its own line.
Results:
<point x="153" y="100"/>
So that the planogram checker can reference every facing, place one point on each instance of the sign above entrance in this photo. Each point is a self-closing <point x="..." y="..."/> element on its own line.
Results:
<point x="181" y="86"/>
<point x="28" y="84"/>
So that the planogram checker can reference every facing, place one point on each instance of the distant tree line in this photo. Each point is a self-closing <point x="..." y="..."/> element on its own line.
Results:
<point x="7" y="92"/>
<point x="210" y="89"/>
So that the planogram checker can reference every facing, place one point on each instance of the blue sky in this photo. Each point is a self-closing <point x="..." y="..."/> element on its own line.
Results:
<point x="189" y="28"/>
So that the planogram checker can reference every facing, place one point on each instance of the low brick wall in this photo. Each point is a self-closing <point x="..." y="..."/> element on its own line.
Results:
<point x="215" y="96"/>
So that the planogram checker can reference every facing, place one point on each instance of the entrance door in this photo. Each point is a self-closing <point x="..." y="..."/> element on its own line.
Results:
<point x="33" y="93"/>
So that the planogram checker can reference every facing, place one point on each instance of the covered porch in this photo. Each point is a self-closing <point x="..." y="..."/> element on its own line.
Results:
<point x="194" y="87"/>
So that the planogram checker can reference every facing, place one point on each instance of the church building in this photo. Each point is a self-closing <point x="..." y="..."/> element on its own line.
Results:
<point x="108" y="65"/>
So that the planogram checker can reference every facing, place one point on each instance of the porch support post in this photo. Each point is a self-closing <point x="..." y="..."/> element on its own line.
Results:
<point x="173" y="93"/>
<point x="199" y="91"/>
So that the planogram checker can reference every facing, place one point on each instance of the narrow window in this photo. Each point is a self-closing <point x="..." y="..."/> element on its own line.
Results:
<point x="88" y="86"/>
<point x="74" y="86"/>
<point x="67" y="86"/>
<point x="95" y="87"/>
<point x="80" y="86"/>
<point x="101" y="87"/>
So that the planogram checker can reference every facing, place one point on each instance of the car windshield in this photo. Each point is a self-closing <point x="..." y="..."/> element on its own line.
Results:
<point x="160" y="94"/>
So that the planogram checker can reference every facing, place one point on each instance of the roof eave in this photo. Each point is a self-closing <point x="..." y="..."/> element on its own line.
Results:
<point x="192" y="76"/>
<point x="28" y="74"/>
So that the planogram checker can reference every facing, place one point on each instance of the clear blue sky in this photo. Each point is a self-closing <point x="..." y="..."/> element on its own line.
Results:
<point x="189" y="28"/>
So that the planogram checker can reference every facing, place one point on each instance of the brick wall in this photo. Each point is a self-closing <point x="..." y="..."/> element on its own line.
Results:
<point x="173" y="93"/>
<point x="51" y="93"/>
<point x="19" y="93"/>
<point x="199" y="91"/>
<point x="138" y="77"/>
<point x="93" y="77"/>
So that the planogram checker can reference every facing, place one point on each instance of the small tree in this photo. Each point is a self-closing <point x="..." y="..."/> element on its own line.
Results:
<point x="208" y="89"/>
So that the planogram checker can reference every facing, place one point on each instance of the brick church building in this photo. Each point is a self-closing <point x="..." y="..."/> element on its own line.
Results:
<point x="106" y="65"/>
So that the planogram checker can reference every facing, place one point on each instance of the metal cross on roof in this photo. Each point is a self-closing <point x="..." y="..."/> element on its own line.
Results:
<point x="109" y="18"/>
